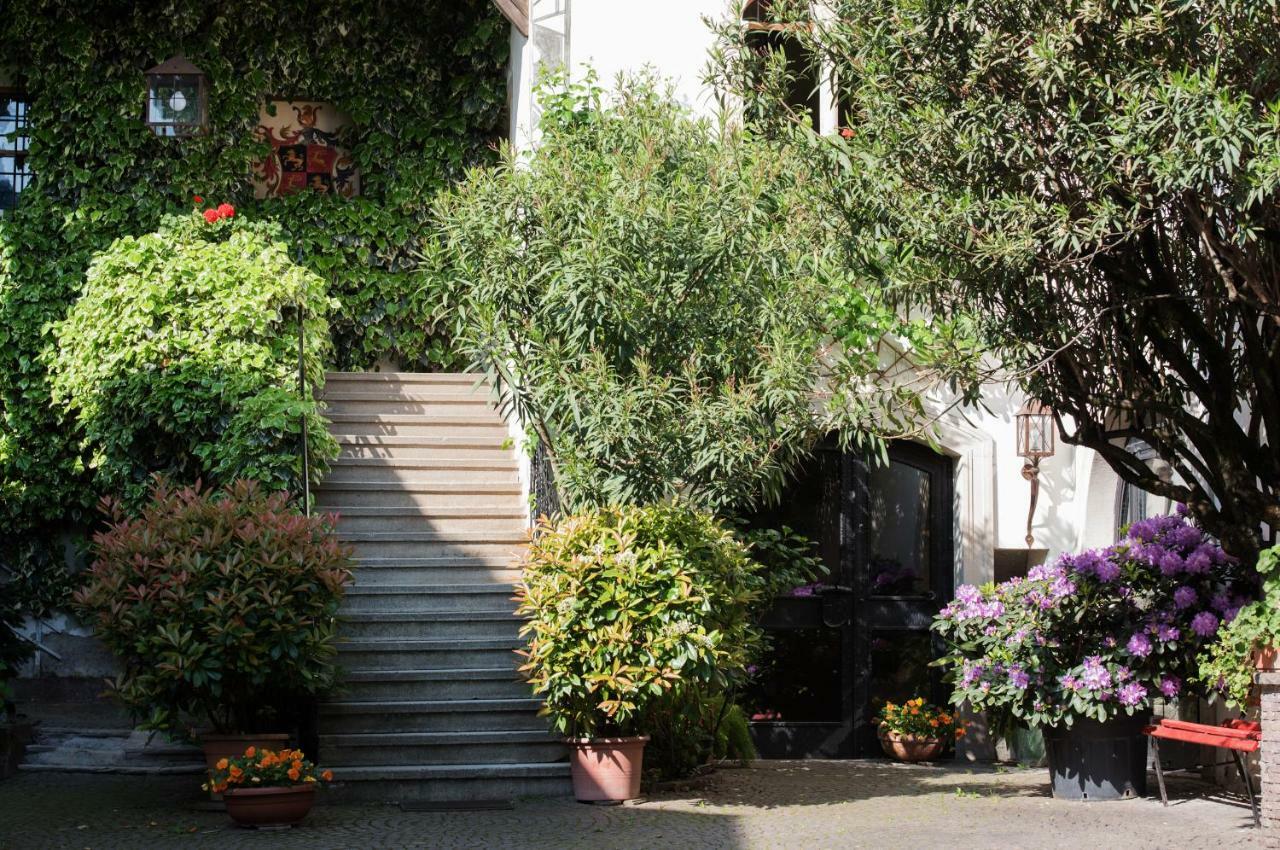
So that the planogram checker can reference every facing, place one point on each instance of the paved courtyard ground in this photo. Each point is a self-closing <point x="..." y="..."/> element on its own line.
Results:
<point x="774" y="804"/>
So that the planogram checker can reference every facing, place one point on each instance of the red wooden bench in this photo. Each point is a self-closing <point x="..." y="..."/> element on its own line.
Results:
<point x="1238" y="736"/>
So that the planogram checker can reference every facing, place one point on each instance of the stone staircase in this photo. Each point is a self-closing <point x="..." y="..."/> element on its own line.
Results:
<point x="428" y="493"/>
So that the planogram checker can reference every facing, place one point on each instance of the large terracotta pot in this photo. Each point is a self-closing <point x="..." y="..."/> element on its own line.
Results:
<point x="909" y="748"/>
<point x="255" y="807"/>
<point x="1267" y="659"/>
<point x="606" y="769"/>
<point x="233" y="746"/>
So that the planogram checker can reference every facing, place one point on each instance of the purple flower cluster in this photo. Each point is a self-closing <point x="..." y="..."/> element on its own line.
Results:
<point x="1115" y="627"/>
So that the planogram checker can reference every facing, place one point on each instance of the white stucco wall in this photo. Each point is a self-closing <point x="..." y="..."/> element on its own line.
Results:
<point x="668" y="35"/>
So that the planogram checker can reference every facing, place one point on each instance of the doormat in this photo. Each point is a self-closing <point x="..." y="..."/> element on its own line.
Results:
<point x="456" y="805"/>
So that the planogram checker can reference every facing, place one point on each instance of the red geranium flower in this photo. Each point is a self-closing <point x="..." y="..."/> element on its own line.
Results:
<point x="847" y="133"/>
<point x="226" y="210"/>
<point x="197" y="199"/>
<point x="211" y="216"/>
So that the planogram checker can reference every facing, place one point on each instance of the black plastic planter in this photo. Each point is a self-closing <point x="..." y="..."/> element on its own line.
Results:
<point x="1098" y="761"/>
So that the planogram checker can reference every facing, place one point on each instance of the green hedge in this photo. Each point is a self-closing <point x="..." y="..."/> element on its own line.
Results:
<point x="423" y="82"/>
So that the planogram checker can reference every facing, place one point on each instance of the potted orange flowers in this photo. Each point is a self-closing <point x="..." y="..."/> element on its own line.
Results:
<point x="267" y="787"/>
<point x="916" y="730"/>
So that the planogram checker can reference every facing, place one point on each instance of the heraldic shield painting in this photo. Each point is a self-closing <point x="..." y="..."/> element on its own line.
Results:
<point x="305" y="153"/>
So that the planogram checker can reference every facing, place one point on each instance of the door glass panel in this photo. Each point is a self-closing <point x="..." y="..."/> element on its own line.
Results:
<point x="799" y="680"/>
<point x="898" y="532"/>
<point x="899" y="667"/>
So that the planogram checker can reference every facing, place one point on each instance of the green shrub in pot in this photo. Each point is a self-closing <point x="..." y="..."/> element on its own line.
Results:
<point x="626" y="605"/>
<point x="219" y="604"/>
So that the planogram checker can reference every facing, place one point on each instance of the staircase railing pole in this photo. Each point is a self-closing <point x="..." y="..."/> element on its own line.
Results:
<point x="302" y="418"/>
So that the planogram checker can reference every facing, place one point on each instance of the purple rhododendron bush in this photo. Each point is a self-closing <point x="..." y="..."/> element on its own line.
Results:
<point x="1098" y="633"/>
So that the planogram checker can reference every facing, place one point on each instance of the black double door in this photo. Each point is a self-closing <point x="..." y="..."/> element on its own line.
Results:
<point x="860" y="636"/>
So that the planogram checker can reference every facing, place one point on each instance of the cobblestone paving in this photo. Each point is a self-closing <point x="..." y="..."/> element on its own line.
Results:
<point x="775" y="804"/>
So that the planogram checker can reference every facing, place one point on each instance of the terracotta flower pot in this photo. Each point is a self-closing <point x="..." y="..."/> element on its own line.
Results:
<point x="606" y="769"/>
<point x="1267" y="659"/>
<point x="908" y="748"/>
<point x="255" y="807"/>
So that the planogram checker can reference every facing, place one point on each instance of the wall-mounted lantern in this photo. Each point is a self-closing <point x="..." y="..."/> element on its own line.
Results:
<point x="177" y="98"/>
<point x="1035" y="442"/>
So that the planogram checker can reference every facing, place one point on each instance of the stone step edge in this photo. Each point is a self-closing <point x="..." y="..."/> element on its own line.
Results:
<point x="336" y="400"/>
<point x="437" y="674"/>
<point x="493" y="465"/>
<point x="438" y="739"/>
<point x="428" y="589"/>
<point x="130" y="770"/>
<point x="493" y="420"/>
<point x="443" y="488"/>
<point x="427" y="617"/>
<point x="408" y="377"/>
<point x="431" y="537"/>
<point x="426" y="513"/>
<point x="555" y="769"/>
<point x="429" y="706"/>
<point x="426" y="644"/>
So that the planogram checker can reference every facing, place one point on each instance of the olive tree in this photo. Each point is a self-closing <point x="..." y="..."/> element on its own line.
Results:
<point x="1096" y="182"/>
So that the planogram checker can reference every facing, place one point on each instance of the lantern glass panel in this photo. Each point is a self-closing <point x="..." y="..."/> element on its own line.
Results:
<point x="174" y="104"/>
<point x="1038" y="434"/>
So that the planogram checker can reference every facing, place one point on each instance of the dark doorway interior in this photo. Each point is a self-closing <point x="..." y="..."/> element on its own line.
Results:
<point x="861" y="637"/>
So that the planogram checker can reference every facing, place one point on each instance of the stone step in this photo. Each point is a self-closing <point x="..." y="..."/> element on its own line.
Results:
<point x="402" y="685"/>
<point x="430" y="625"/>
<point x="467" y="439"/>
<point x="462" y="715"/>
<point x="399" y="404"/>
<point x="515" y="746"/>
<point x="450" y="783"/>
<point x="479" y="522"/>
<point x="426" y="497"/>
<point x="431" y="572"/>
<point x="507" y="464"/>
<point x="505" y="552"/>
<point x="482" y="451"/>
<point x="393" y="654"/>
<point x="394" y="477"/>
<point x="388" y="598"/>
<point x="486" y="423"/>
<point x="415" y="379"/>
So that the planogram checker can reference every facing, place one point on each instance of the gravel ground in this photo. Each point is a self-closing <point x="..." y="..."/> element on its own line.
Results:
<point x="773" y="804"/>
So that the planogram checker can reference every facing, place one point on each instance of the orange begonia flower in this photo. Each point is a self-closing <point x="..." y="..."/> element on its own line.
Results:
<point x="294" y="773"/>
<point x="222" y="764"/>
<point x="327" y="776"/>
<point x="250" y="752"/>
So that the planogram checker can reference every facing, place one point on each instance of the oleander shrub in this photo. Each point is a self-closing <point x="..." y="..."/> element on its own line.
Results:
<point x="220" y="605"/>
<point x="181" y="358"/>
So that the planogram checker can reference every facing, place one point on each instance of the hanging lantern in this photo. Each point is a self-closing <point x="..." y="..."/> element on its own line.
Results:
<point x="1035" y="431"/>
<point x="1035" y="442"/>
<point x="177" y="98"/>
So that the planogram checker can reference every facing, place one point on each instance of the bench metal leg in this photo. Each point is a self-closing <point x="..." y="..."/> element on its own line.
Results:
<point x="1248" y="786"/>
<point x="1155" y="749"/>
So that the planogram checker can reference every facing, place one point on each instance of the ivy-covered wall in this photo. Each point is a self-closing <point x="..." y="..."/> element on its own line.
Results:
<point x="423" y="82"/>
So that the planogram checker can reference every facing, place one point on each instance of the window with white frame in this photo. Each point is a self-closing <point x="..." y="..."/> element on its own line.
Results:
<point x="15" y="174"/>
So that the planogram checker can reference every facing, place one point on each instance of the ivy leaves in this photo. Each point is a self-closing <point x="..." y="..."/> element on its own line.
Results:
<point x="396" y="68"/>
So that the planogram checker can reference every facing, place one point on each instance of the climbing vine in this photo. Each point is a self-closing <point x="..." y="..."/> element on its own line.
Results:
<point x="423" y="82"/>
